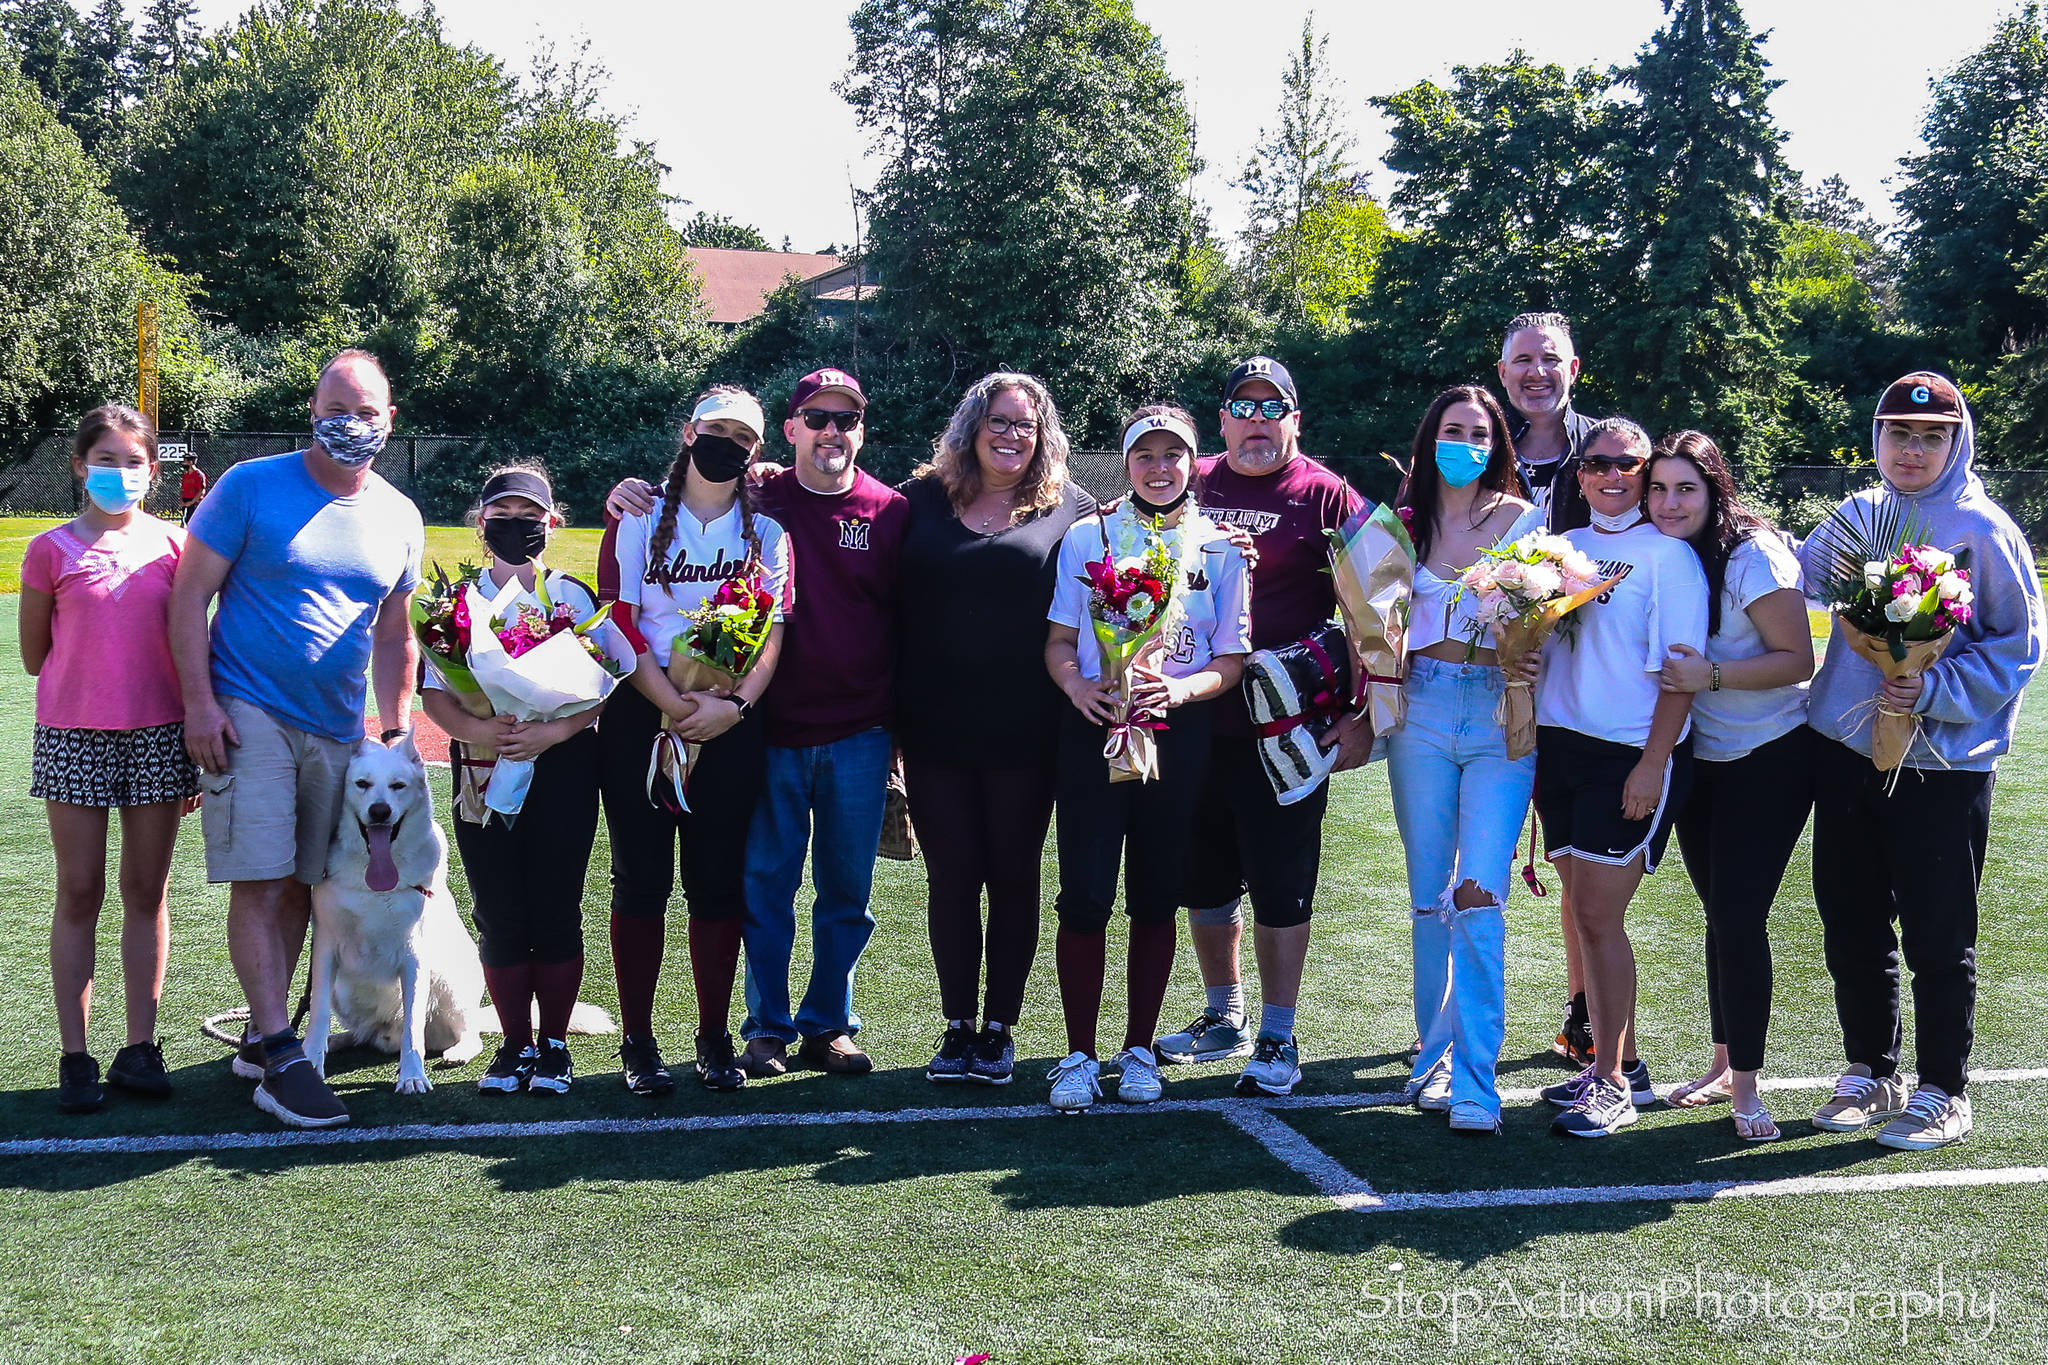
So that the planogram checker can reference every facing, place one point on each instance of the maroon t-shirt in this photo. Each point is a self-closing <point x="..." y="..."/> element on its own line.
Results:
<point x="1287" y="512"/>
<point x="836" y="675"/>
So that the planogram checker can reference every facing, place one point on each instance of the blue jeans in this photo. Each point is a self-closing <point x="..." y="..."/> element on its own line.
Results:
<point x="841" y="787"/>
<point x="1459" y="801"/>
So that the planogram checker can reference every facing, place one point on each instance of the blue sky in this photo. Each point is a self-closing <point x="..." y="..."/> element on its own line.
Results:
<point x="738" y="97"/>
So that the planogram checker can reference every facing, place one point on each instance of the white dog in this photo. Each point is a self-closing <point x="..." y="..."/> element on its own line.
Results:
<point x="392" y="962"/>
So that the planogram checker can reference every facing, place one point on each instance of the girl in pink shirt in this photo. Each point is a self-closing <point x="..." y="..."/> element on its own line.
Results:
<point x="110" y="734"/>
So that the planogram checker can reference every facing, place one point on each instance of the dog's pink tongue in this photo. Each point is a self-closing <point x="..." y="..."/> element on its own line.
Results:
<point x="383" y="875"/>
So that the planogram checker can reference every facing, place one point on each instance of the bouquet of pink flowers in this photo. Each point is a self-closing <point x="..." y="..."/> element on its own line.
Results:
<point x="1898" y="603"/>
<point x="1524" y="591"/>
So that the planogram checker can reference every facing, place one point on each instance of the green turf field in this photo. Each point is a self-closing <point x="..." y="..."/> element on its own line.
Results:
<point x="993" y="1226"/>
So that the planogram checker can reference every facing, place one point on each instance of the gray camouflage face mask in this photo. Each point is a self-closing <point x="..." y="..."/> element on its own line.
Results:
<point x="351" y="440"/>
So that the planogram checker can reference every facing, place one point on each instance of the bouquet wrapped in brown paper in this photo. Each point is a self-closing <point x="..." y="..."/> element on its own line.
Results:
<point x="716" y="650"/>
<point x="1525" y="591"/>
<point x="1892" y="731"/>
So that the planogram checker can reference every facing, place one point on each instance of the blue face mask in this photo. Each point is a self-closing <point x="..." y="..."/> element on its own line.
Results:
<point x="116" y="490"/>
<point x="351" y="440"/>
<point x="1460" y="462"/>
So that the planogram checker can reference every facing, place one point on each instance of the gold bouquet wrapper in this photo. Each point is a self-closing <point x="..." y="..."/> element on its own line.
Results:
<point x="1373" y="574"/>
<point x="472" y="762"/>
<point x="1517" y="711"/>
<point x="1892" y="732"/>
<point x="674" y="756"/>
<point x="1132" y="752"/>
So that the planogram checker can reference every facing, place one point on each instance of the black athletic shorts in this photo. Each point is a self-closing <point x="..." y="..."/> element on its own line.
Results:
<point x="1244" y="840"/>
<point x="1578" y="798"/>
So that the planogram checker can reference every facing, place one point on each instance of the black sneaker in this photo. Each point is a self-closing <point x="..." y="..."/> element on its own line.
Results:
<point x="995" y="1058"/>
<point x="511" y="1069"/>
<point x="247" y="1061"/>
<point x="955" y="1054"/>
<point x="1601" y="1111"/>
<point x="78" y="1083"/>
<point x="645" y="1075"/>
<point x="1574" y="1040"/>
<point x="551" y="1074"/>
<point x="140" y="1067"/>
<point x="293" y="1092"/>
<point x="1641" y="1092"/>
<point x="716" y="1069"/>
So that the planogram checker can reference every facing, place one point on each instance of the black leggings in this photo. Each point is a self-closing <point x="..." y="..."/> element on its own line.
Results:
<point x="526" y="880"/>
<point x="1145" y="826"/>
<point x="725" y="783"/>
<point x="1736" y="834"/>
<point x="981" y="827"/>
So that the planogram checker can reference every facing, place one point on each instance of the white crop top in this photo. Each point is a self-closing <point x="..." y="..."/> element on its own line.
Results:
<point x="1436" y="612"/>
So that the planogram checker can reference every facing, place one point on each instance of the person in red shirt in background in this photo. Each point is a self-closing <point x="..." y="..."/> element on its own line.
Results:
<point x="1245" y="840"/>
<point x="191" y="488"/>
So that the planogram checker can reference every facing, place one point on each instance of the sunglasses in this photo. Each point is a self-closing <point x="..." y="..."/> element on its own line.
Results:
<point x="1272" y="409"/>
<point x="817" y="419"/>
<point x="1613" y="464"/>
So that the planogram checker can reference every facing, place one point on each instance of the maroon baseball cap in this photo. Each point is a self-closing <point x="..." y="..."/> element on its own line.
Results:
<point x="1922" y="396"/>
<point x="825" y="381"/>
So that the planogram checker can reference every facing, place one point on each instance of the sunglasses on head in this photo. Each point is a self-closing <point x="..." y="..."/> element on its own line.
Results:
<point x="817" y="419"/>
<point x="1614" y="464"/>
<point x="1272" y="409"/>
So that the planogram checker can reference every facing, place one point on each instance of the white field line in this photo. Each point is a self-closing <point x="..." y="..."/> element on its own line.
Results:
<point x="1307" y="1160"/>
<point x="1709" y="1190"/>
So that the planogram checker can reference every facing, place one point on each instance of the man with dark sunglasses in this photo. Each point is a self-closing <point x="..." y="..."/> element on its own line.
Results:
<point x="1245" y="841"/>
<point x="827" y="716"/>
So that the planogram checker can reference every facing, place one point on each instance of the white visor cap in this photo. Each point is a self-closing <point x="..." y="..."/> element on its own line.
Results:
<point x="743" y="408"/>
<point x="1145" y="426"/>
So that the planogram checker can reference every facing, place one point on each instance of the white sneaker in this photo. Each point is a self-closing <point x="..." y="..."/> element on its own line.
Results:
<point x="1076" y="1083"/>
<point x="1432" y="1090"/>
<point x="1932" y="1118"/>
<point x="1861" y="1100"/>
<point x="1141" y="1082"/>
<point x="1470" y="1116"/>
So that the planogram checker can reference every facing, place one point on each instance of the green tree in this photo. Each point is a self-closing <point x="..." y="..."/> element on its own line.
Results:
<point x="1314" y="231"/>
<point x="1031" y="209"/>
<point x="1964" y="208"/>
<point x="44" y="36"/>
<point x="169" y="39"/>
<point x="105" y="79"/>
<point x="1695" y="334"/>
<point x="71" y="274"/>
<point x="716" y="229"/>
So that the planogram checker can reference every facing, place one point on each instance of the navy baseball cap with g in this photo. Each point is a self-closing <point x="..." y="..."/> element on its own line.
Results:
<point x="1261" y="367"/>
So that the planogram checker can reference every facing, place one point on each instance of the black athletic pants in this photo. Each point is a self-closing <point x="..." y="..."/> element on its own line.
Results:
<point x="526" y="880"/>
<point x="1142" y="826"/>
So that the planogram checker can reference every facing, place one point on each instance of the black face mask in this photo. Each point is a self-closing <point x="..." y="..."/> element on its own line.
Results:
<point x="719" y="459"/>
<point x="1159" y="509"/>
<point x="515" y="539"/>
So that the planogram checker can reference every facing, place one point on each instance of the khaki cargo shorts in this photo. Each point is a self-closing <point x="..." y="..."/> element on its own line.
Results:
<point x="273" y="812"/>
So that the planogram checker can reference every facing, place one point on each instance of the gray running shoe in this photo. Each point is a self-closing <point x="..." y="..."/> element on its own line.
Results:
<point x="1211" y="1038"/>
<point x="1603" y="1110"/>
<point x="1273" y="1069"/>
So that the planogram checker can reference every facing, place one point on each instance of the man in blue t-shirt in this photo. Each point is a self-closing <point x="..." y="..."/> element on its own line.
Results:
<point x="314" y="559"/>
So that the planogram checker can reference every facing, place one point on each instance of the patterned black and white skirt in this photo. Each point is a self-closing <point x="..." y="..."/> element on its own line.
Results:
<point x="113" y="767"/>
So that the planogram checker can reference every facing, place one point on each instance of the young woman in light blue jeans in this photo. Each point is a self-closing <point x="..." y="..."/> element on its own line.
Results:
<point x="1458" y="798"/>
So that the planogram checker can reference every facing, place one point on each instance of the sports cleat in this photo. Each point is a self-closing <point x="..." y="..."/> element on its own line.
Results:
<point x="511" y="1067"/>
<point x="641" y="1061"/>
<point x="1574" y="1040"/>
<point x="139" y="1069"/>
<point x="1860" y="1100"/>
<point x="1932" y="1118"/>
<point x="956" y="1052"/>
<point x="552" y="1072"/>
<point x="1140" y="1082"/>
<point x="995" y="1057"/>
<point x="1273" y="1069"/>
<point x="1076" y="1083"/>
<point x="78" y="1083"/>
<point x="716" y="1067"/>
<point x="1602" y="1110"/>
<point x="1210" y="1038"/>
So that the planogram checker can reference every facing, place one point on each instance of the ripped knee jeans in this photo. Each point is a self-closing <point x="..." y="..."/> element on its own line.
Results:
<point x="1459" y="801"/>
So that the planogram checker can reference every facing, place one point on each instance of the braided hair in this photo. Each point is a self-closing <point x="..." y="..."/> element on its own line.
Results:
<point x="672" y="498"/>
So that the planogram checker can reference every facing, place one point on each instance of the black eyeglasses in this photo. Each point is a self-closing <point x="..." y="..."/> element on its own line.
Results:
<point x="1272" y="409"/>
<point x="817" y="419"/>
<point x="1003" y="426"/>
<point x="1613" y="464"/>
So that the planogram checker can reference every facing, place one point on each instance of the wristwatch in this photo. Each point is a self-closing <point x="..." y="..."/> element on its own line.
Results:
<point x="744" y="705"/>
<point x="389" y="735"/>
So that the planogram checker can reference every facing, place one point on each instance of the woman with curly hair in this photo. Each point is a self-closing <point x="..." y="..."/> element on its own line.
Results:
<point x="977" y="714"/>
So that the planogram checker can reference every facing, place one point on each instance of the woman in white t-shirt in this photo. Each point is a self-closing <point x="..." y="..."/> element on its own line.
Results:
<point x="1612" y="764"/>
<point x="1458" y="798"/>
<point x="702" y="533"/>
<point x="1142" y="826"/>
<point x="1752" y="785"/>
<point x="525" y="881"/>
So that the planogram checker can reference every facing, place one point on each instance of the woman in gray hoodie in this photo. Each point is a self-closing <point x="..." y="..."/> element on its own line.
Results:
<point x="1913" y="852"/>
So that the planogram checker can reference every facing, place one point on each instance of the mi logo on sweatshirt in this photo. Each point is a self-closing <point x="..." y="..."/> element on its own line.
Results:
<point x="853" y="533"/>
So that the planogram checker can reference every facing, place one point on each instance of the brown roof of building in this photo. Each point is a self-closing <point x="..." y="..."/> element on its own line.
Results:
<point x="737" y="283"/>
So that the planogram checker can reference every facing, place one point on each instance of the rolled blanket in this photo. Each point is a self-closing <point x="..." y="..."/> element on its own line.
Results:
<point x="1295" y="694"/>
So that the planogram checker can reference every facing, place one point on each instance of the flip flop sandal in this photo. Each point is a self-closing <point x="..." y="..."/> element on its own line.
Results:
<point x="1694" y="1095"/>
<point x="1757" y="1126"/>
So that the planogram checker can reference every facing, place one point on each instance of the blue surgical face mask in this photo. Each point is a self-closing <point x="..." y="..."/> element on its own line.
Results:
<point x="116" y="490"/>
<point x="351" y="440"/>
<point x="1460" y="462"/>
